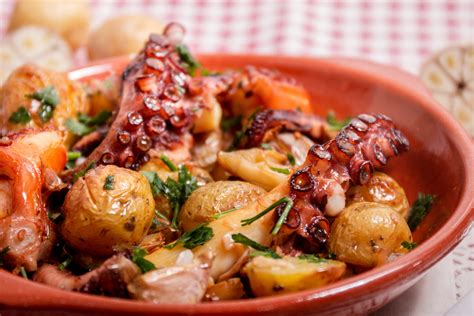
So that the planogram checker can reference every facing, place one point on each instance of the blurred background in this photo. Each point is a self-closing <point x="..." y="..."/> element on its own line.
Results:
<point x="62" y="34"/>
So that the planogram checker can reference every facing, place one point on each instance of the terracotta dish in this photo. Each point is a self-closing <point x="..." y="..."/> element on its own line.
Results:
<point x="440" y="162"/>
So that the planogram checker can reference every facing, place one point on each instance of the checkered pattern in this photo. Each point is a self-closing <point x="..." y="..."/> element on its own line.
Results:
<point x="401" y="33"/>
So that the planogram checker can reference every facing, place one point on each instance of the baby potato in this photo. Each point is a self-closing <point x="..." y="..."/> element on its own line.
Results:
<point x="70" y="19"/>
<point x="30" y="79"/>
<point x="367" y="233"/>
<point x="383" y="189"/>
<point x="255" y="165"/>
<point x="270" y="276"/>
<point x="214" y="198"/>
<point x="108" y="207"/>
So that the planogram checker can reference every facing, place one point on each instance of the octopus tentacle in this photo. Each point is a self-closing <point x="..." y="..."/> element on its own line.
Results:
<point x="269" y="122"/>
<point x="24" y="159"/>
<point x="368" y="142"/>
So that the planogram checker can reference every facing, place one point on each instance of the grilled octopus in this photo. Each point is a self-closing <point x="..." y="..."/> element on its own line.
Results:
<point x="319" y="185"/>
<point x="26" y="158"/>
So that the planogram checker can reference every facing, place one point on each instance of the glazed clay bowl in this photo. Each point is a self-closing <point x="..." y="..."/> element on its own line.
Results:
<point x="439" y="162"/>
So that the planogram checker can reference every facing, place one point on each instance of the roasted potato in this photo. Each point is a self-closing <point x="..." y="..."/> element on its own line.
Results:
<point x="231" y="289"/>
<point x="69" y="18"/>
<point x="214" y="198"/>
<point x="255" y="165"/>
<point x="367" y="233"/>
<point x="383" y="189"/>
<point x="269" y="276"/>
<point x="109" y="207"/>
<point x="30" y="79"/>
<point x="208" y="118"/>
<point x="121" y="35"/>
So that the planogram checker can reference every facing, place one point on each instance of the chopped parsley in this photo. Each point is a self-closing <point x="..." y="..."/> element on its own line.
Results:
<point x="281" y="170"/>
<point x="168" y="163"/>
<point x="177" y="192"/>
<point x="81" y="173"/>
<point x="331" y="256"/>
<point x="261" y="250"/>
<point x="286" y="200"/>
<point x="85" y="124"/>
<point x="311" y="258"/>
<point x="193" y="238"/>
<point x="291" y="159"/>
<point x="72" y="156"/>
<point x="266" y="146"/>
<point x="20" y="116"/>
<point x="138" y="257"/>
<point x="420" y="209"/>
<point x="222" y="214"/>
<point x="3" y="253"/>
<point x="49" y="99"/>
<point x="230" y="123"/>
<point x="23" y="273"/>
<point x="63" y="265"/>
<point x="336" y="124"/>
<point x="187" y="60"/>
<point x="284" y="215"/>
<point x="409" y="245"/>
<point x="109" y="182"/>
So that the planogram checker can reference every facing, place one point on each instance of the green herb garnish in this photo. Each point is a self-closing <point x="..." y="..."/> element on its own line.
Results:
<point x="20" y="116"/>
<point x="193" y="238"/>
<point x="49" y="98"/>
<point x="280" y="170"/>
<point x="291" y="159"/>
<point x="311" y="258"/>
<point x="3" y="253"/>
<point x="420" y="209"/>
<point x="168" y="163"/>
<point x="109" y="182"/>
<point x="409" y="245"/>
<point x="138" y="257"/>
<point x="85" y="124"/>
<point x="222" y="214"/>
<point x="72" y="156"/>
<point x="261" y="250"/>
<point x="336" y="124"/>
<point x="249" y="221"/>
<point x="188" y="61"/>
<point x="63" y="265"/>
<point x="266" y="146"/>
<point x="284" y="215"/>
<point x="177" y="192"/>
<point x="331" y="256"/>
<point x="81" y="173"/>
<point x="23" y="273"/>
<point x="229" y="123"/>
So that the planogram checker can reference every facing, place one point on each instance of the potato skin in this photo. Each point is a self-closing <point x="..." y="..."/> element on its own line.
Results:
<point x="383" y="189"/>
<point x="96" y="220"/>
<point x="29" y="79"/>
<point x="214" y="198"/>
<point x="366" y="233"/>
<point x="270" y="276"/>
<point x="69" y="18"/>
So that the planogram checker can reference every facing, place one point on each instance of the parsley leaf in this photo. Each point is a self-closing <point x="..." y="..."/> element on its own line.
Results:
<point x="81" y="173"/>
<point x="409" y="245"/>
<point x="85" y="124"/>
<point x="420" y="209"/>
<point x="20" y="116"/>
<point x="286" y="200"/>
<point x="332" y="256"/>
<point x="291" y="159"/>
<point x="261" y="249"/>
<point x="138" y="257"/>
<point x="177" y="192"/>
<point x="49" y="98"/>
<point x="72" y="156"/>
<point x="109" y="182"/>
<point x="266" y="146"/>
<point x="188" y="61"/>
<point x="193" y="238"/>
<point x="280" y="170"/>
<point x="232" y="122"/>
<point x="311" y="258"/>
<point x="336" y="124"/>
<point x="63" y="265"/>
<point x="168" y="163"/>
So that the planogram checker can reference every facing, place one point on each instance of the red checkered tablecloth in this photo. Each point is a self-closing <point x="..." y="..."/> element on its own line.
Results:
<point x="401" y="33"/>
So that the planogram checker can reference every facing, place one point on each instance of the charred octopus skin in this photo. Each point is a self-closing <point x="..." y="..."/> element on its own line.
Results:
<point x="152" y="110"/>
<point x="368" y="142"/>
